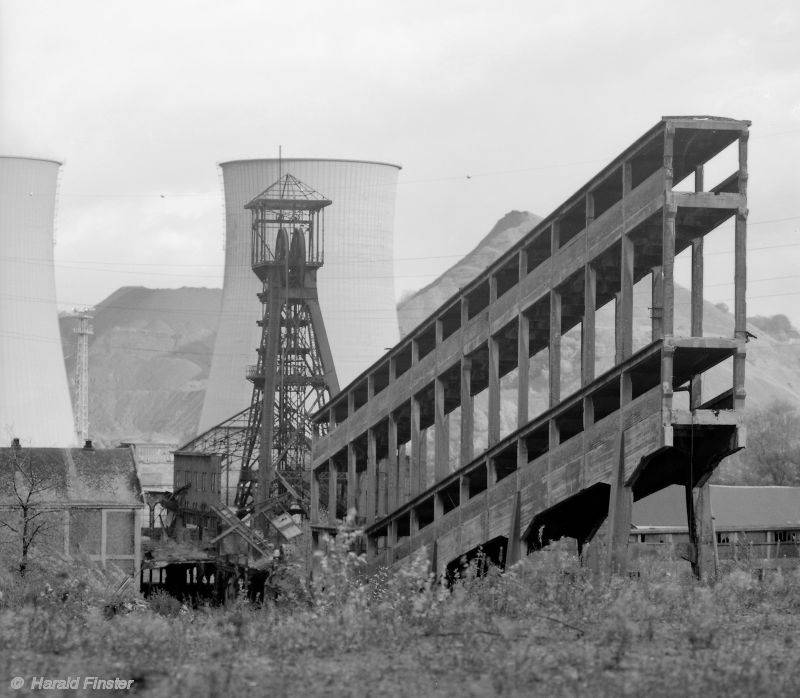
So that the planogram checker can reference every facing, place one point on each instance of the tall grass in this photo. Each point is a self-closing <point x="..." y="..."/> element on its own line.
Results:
<point x="544" y="627"/>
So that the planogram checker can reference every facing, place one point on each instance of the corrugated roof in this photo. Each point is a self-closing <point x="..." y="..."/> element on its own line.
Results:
<point x="75" y="475"/>
<point x="733" y="507"/>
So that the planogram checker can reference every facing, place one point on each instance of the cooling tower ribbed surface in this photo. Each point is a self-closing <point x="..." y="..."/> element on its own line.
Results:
<point x="35" y="404"/>
<point x="356" y="284"/>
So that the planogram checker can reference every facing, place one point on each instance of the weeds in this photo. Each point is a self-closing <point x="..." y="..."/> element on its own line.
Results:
<point x="545" y="625"/>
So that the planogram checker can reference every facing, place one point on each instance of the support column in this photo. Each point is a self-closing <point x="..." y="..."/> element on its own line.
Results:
<point x="704" y="566"/>
<point x="668" y="265"/>
<point x="381" y="504"/>
<point x="314" y="497"/>
<point x="416" y="462"/>
<point x="442" y="431"/>
<point x="276" y="300"/>
<point x="372" y="476"/>
<point x="392" y="499"/>
<point x="740" y="306"/>
<point x="624" y="320"/>
<point x="422" y="472"/>
<point x="657" y="308"/>
<point x="514" y="534"/>
<point x="588" y="325"/>
<point x="403" y="481"/>
<point x="352" y="478"/>
<point x="467" y="411"/>
<point x="696" y="393"/>
<point x="332" y="487"/>
<point x="620" y="507"/>
<point x="523" y="368"/>
<point x="463" y="493"/>
<point x="667" y="360"/>
<point x="555" y="348"/>
<point x="494" y="392"/>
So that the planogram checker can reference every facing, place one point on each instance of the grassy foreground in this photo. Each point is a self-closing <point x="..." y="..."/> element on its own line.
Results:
<point x="545" y="627"/>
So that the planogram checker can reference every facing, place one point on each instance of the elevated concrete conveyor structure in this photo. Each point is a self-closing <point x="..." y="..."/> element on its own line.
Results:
<point x="418" y="446"/>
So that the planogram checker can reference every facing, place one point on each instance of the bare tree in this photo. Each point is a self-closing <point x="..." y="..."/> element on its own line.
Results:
<point x="25" y="488"/>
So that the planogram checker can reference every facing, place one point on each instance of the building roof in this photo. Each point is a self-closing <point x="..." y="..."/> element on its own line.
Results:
<point x="289" y="192"/>
<point x="733" y="507"/>
<point x="72" y="476"/>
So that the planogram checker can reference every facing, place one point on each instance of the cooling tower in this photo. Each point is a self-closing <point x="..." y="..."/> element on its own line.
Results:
<point x="356" y="284"/>
<point x="35" y="404"/>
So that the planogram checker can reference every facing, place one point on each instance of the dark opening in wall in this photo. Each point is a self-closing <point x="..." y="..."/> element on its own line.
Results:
<point x="426" y="340"/>
<point x="360" y="395"/>
<point x="570" y="422"/>
<point x="402" y="360"/>
<point x="605" y="400"/>
<point x="451" y="320"/>
<point x="481" y="559"/>
<point x="538" y="442"/>
<point x="403" y="524"/>
<point x="477" y="480"/>
<point x="505" y="462"/>
<point x="339" y="410"/>
<point x="424" y="513"/>
<point x="478" y="299"/>
<point x="648" y="160"/>
<point x="380" y="378"/>
<point x="645" y="376"/>
<point x="508" y="276"/>
<point x="571" y="222"/>
<point x="607" y="193"/>
<point x="538" y="250"/>
<point x="450" y="496"/>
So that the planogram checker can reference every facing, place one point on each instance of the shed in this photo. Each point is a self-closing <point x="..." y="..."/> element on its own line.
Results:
<point x="90" y="502"/>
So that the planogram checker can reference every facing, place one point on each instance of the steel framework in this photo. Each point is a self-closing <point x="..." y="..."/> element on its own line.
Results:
<point x="83" y="330"/>
<point x="294" y="375"/>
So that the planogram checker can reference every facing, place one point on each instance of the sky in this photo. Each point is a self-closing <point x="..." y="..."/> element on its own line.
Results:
<point x="488" y="107"/>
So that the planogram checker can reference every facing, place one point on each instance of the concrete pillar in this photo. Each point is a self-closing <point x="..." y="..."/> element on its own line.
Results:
<point x="494" y="392"/>
<point x="332" y="484"/>
<point x="442" y="431"/>
<point x="467" y="412"/>
<point x="391" y="466"/>
<point x="555" y="348"/>
<point x="697" y="311"/>
<point x="314" y="497"/>
<point x="624" y="320"/>
<point x="588" y="325"/>
<point x="523" y="364"/>
<point x="619" y="512"/>
<point x="372" y="476"/>
<point x="352" y="478"/>
<point x="417" y="442"/>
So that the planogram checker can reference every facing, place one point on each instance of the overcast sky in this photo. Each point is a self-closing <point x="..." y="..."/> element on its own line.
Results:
<point x="140" y="100"/>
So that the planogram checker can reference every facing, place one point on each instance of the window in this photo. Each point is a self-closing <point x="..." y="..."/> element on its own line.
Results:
<point x="787" y="536"/>
<point x="203" y="482"/>
<point x="119" y="533"/>
<point x="85" y="531"/>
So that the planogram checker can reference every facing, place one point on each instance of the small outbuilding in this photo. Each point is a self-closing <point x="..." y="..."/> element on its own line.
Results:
<point x="73" y="501"/>
<point x="762" y="522"/>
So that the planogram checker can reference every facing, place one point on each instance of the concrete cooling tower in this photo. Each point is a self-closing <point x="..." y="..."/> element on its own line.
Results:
<point x="356" y="283"/>
<point x="35" y="405"/>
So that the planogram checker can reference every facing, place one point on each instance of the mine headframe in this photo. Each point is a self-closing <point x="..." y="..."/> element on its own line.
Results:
<point x="294" y="375"/>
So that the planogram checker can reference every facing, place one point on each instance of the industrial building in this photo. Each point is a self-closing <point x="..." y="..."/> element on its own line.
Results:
<point x="356" y="291"/>
<point x="759" y="525"/>
<point x="89" y="501"/>
<point x="35" y="404"/>
<point x="613" y="436"/>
